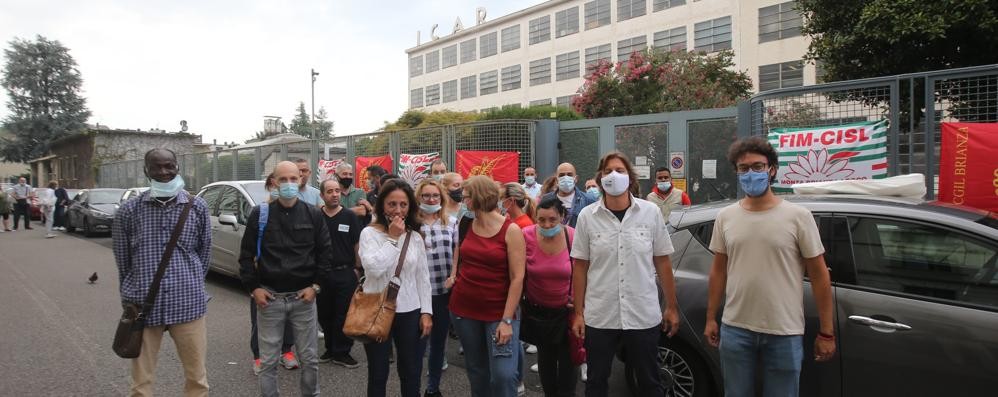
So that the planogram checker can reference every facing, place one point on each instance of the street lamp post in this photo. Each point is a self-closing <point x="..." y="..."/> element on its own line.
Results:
<point x="314" y="73"/>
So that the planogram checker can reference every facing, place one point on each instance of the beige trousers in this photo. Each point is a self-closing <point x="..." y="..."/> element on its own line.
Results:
<point x="191" y="340"/>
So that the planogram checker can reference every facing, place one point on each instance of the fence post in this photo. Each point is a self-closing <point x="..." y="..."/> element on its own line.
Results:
<point x="930" y="137"/>
<point x="235" y="165"/>
<point x="257" y="166"/>
<point x="744" y="119"/>
<point x="214" y="167"/>
<point x="893" y="129"/>
<point x="545" y="146"/>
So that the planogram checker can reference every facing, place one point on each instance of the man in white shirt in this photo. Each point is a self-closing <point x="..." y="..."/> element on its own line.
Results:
<point x="621" y="243"/>
<point x="530" y="184"/>
<point x="763" y="245"/>
<point x="22" y="192"/>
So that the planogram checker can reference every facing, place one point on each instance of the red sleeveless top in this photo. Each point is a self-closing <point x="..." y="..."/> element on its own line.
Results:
<point x="483" y="277"/>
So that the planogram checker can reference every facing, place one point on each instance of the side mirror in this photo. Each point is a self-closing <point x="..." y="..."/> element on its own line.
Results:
<point x="229" y="219"/>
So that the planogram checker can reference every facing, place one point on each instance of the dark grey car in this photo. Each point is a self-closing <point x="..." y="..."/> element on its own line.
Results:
<point x="92" y="210"/>
<point x="916" y="300"/>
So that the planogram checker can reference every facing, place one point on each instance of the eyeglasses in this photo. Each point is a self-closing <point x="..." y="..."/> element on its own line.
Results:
<point x="430" y="197"/>
<point x="757" y="167"/>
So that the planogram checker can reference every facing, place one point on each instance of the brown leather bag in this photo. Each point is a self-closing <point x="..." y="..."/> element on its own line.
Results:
<point x="370" y="317"/>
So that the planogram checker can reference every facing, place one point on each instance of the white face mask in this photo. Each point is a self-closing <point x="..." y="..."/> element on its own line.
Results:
<point x="615" y="183"/>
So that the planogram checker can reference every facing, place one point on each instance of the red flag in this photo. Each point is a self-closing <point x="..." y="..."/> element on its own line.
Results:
<point x="500" y="166"/>
<point x="361" y="164"/>
<point x="968" y="171"/>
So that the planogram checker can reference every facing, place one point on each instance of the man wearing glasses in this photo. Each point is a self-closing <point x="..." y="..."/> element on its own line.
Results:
<point x="763" y="245"/>
<point x="571" y="196"/>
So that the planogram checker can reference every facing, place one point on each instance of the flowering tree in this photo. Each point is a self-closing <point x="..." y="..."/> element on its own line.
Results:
<point x="654" y="81"/>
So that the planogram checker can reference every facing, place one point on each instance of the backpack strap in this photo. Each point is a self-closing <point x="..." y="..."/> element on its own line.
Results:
<point x="261" y="225"/>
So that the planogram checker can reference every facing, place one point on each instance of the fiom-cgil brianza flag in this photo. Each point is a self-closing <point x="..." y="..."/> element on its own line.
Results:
<point x="830" y="153"/>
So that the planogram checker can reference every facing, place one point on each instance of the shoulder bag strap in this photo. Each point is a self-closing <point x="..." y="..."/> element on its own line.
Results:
<point x="167" y="254"/>
<point x="392" y="291"/>
<point x="571" y="266"/>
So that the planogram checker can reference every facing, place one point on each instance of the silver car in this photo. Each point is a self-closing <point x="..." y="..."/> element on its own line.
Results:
<point x="916" y="300"/>
<point x="230" y="204"/>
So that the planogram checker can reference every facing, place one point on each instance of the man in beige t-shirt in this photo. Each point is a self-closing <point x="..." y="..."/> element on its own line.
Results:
<point x="763" y="245"/>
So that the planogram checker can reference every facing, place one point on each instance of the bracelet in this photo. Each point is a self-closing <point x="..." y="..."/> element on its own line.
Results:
<point x="822" y="335"/>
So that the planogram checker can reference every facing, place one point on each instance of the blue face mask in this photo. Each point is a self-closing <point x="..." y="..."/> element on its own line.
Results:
<point x="529" y="180"/>
<point x="430" y="208"/>
<point x="166" y="189"/>
<point x="664" y="186"/>
<point x="549" y="232"/>
<point x="754" y="183"/>
<point x="566" y="184"/>
<point x="468" y="213"/>
<point x="438" y="177"/>
<point x="288" y="190"/>
<point x="274" y="195"/>
<point x="593" y="191"/>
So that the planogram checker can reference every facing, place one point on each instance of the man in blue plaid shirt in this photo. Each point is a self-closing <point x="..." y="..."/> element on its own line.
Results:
<point x="141" y="230"/>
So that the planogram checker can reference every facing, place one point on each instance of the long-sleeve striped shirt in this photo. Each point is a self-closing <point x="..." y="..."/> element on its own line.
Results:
<point x="141" y="231"/>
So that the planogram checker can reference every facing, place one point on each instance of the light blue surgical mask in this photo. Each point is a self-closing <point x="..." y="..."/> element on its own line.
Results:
<point x="549" y="232"/>
<point x="438" y="177"/>
<point x="529" y="180"/>
<point x="566" y="184"/>
<point x="274" y="194"/>
<point x="288" y="190"/>
<point x="502" y="208"/>
<point x="754" y="183"/>
<point x="166" y="189"/>
<point x="430" y="208"/>
<point x="468" y="213"/>
<point x="664" y="186"/>
<point x="593" y="191"/>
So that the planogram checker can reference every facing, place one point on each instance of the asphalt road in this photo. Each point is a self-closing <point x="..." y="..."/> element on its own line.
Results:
<point x="57" y="331"/>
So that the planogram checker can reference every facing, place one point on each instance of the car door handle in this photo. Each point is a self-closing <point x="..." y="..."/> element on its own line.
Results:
<point x="882" y="325"/>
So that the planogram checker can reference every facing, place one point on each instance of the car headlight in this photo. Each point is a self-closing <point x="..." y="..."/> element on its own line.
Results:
<point x="102" y="214"/>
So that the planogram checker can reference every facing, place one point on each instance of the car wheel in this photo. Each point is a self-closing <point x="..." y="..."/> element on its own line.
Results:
<point x="682" y="371"/>
<point x="87" y="231"/>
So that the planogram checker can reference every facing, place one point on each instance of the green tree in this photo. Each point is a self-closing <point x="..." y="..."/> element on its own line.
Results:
<point x="418" y="119"/>
<point x="301" y="123"/>
<point x="531" y="113"/>
<point x="654" y="81"/>
<point x="323" y="126"/>
<point x="44" y="97"/>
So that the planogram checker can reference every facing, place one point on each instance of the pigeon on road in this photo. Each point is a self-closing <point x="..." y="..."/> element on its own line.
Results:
<point x="93" y="278"/>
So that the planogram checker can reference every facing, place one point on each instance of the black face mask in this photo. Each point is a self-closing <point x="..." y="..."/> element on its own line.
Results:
<point x="346" y="182"/>
<point x="456" y="194"/>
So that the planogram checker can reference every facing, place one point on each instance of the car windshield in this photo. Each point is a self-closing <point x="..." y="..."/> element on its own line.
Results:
<point x="105" y="196"/>
<point x="256" y="192"/>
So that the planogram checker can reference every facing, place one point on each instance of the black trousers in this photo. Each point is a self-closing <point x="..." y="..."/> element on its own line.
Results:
<point x="409" y="361"/>
<point x="58" y="218"/>
<point x="333" y="303"/>
<point x="21" y="208"/>
<point x="640" y="347"/>
<point x="555" y="367"/>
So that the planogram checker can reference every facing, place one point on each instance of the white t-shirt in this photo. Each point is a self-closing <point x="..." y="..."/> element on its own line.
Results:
<point x="379" y="258"/>
<point x="766" y="251"/>
<point x="45" y="196"/>
<point x="567" y="200"/>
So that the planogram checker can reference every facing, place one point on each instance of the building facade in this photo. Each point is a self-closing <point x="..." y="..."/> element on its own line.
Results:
<point x="539" y="55"/>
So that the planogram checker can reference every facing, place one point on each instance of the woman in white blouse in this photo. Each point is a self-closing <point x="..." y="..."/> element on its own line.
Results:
<point x="380" y="246"/>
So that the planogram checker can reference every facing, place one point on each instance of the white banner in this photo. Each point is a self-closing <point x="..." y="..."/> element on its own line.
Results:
<point x="832" y="153"/>
<point x="327" y="169"/>
<point x="415" y="167"/>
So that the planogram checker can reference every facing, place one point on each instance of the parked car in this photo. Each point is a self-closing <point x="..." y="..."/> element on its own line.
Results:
<point x="132" y="193"/>
<point x="230" y="204"/>
<point x="916" y="300"/>
<point x="92" y="210"/>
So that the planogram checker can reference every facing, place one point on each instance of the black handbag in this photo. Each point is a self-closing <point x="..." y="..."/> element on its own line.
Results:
<point x="541" y="325"/>
<point x="128" y="336"/>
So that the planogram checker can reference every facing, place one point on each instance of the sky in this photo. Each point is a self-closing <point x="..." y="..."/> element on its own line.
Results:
<point x="222" y="65"/>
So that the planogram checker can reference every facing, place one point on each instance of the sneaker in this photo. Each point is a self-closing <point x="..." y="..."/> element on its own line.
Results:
<point x="531" y="349"/>
<point x="535" y="368"/>
<point x="444" y="367"/>
<point x="322" y="335"/>
<point x="289" y="361"/>
<point x="256" y="367"/>
<point x="50" y="235"/>
<point x="326" y="357"/>
<point x="345" y="360"/>
<point x="460" y="350"/>
<point x="584" y="369"/>
<point x="521" y="390"/>
<point x="433" y="394"/>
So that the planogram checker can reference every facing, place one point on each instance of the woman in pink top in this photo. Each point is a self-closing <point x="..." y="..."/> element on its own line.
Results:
<point x="548" y="284"/>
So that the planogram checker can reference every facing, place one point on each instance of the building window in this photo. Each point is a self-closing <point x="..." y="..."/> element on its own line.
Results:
<point x="540" y="71"/>
<point x="566" y="22"/>
<point x="659" y="5"/>
<point x="433" y="95"/>
<point x="467" y="51"/>
<point x="597" y="13"/>
<point x="627" y="9"/>
<point x="778" y="22"/>
<point x="468" y="89"/>
<point x="511" y="78"/>
<point x="432" y="61"/>
<point x="488" y="44"/>
<point x="713" y="35"/>
<point x="541" y="102"/>
<point x="628" y="46"/>
<point x="568" y="66"/>
<point x="511" y="38"/>
<point x="450" y="91"/>
<point x="596" y="54"/>
<point x="416" y="98"/>
<point x="781" y="75"/>
<point x="448" y="56"/>
<point x="488" y="83"/>
<point x="671" y="39"/>
<point x="415" y="66"/>
<point x="539" y="30"/>
<point x="564" y="101"/>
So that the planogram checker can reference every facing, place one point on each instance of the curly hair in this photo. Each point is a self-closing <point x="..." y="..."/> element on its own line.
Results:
<point x="755" y="145"/>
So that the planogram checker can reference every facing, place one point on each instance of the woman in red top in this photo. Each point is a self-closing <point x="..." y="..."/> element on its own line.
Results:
<point x="486" y="293"/>
<point x="517" y="205"/>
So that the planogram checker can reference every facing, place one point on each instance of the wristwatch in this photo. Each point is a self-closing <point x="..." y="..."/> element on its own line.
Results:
<point x="316" y="288"/>
<point x="508" y="321"/>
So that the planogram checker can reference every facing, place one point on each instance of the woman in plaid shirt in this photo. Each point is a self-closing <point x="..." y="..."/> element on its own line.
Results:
<point x="440" y="229"/>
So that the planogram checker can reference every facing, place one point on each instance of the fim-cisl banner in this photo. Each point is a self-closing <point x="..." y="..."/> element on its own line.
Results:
<point x="832" y="153"/>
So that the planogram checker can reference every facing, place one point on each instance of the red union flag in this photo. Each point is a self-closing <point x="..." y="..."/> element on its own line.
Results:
<point x="968" y="171"/>
<point x="361" y="164"/>
<point x="415" y="167"/>
<point x="500" y="166"/>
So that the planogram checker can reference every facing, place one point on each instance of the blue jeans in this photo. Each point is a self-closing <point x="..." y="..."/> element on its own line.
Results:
<point x="410" y="347"/>
<point x="289" y="335"/>
<point x="492" y="369"/>
<point x="286" y="307"/>
<point x="779" y="355"/>
<point x="438" y="340"/>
